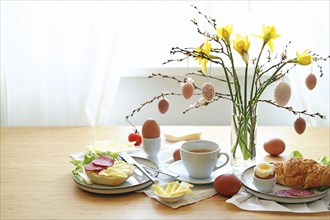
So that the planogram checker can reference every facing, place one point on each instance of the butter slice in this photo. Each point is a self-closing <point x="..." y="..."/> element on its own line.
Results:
<point x="183" y="134"/>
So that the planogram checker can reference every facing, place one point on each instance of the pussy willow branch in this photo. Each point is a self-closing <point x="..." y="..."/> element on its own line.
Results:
<point x="289" y="108"/>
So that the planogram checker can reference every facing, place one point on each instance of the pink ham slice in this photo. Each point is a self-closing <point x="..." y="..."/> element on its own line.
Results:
<point x="294" y="193"/>
<point x="104" y="161"/>
<point x="93" y="167"/>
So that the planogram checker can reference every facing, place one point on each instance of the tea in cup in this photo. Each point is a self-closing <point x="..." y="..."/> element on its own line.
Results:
<point x="201" y="157"/>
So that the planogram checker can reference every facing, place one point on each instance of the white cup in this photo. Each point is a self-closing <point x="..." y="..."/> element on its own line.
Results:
<point x="151" y="146"/>
<point x="201" y="157"/>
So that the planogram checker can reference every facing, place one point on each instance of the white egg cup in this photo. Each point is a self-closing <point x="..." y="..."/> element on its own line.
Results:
<point x="264" y="185"/>
<point x="151" y="146"/>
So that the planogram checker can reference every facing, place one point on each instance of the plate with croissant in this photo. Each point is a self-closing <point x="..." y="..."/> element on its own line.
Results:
<point x="297" y="181"/>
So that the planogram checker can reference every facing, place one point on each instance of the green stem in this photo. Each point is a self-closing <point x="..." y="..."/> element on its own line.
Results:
<point x="255" y="70"/>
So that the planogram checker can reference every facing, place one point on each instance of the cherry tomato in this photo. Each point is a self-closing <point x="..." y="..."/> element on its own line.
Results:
<point x="136" y="137"/>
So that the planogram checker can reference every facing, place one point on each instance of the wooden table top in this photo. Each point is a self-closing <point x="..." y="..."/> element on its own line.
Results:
<point x="36" y="180"/>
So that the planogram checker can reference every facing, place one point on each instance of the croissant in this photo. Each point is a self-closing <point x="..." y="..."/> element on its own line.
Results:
<point x="302" y="173"/>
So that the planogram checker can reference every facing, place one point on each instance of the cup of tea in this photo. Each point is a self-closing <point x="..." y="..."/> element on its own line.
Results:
<point x="201" y="157"/>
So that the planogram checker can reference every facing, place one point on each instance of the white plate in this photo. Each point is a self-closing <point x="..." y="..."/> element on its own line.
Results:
<point x="135" y="182"/>
<point x="177" y="167"/>
<point x="247" y="181"/>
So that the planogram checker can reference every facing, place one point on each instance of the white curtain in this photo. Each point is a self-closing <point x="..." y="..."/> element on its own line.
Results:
<point x="61" y="62"/>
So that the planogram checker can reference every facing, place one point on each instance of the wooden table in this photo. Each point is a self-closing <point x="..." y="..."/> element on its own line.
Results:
<point x="36" y="180"/>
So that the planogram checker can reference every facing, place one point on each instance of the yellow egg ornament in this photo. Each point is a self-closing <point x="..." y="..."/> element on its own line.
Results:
<point x="282" y="93"/>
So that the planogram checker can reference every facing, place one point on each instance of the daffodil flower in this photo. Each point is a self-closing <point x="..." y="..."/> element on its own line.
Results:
<point x="242" y="45"/>
<point x="205" y="48"/>
<point x="225" y="32"/>
<point x="304" y="58"/>
<point x="269" y="34"/>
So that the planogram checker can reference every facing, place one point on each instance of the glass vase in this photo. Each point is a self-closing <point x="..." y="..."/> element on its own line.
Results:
<point x="243" y="138"/>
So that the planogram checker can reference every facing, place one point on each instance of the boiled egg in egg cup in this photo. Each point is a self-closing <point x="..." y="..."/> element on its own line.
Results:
<point x="151" y="141"/>
<point x="264" y="177"/>
<point x="173" y="191"/>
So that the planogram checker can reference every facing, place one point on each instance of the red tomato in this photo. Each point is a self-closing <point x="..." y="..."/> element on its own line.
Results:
<point x="136" y="137"/>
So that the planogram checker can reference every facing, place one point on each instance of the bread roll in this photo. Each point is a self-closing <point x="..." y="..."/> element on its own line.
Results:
<point x="112" y="176"/>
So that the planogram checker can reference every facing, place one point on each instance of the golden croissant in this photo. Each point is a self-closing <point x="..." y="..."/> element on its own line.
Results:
<point x="302" y="173"/>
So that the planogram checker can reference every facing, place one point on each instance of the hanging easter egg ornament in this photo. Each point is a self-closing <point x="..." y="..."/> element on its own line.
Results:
<point x="208" y="91"/>
<point x="311" y="81"/>
<point x="300" y="125"/>
<point x="187" y="90"/>
<point x="163" y="105"/>
<point x="282" y="93"/>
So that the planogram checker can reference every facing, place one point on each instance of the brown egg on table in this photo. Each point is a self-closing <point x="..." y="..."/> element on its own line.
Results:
<point x="150" y="129"/>
<point x="274" y="146"/>
<point x="163" y="105"/>
<point x="311" y="81"/>
<point x="300" y="125"/>
<point x="227" y="184"/>
<point x="176" y="155"/>
<point x="282" y="93"/>
<point x="208" y="91"/>
<point x="187" y="90"/>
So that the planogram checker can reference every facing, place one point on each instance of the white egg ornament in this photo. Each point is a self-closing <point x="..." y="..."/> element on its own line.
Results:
<point x="299" y="125"/>
<point x="208" y="91"/>
<point x="282" y="93"/>
<point x="163" y="105"/>
<point x="311" y="81"/>
<point x="187" y="90"/>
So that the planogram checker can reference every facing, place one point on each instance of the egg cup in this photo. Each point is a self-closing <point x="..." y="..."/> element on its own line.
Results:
<point x="264" y="185"/>
<point x="151" y="146"/>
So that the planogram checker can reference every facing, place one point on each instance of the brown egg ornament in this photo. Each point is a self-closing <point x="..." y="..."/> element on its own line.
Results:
<point x="227" y="184"/>
<point x="150" y="129"/>
<point x="299" y="125"/>
<point x="187" y="90"/>
<point x="208" y="91"/>
<point x="311" y="81"/>
<point x="282" y="93"/>
<point x="274" y="146"/>
<point x="163" y="105"/>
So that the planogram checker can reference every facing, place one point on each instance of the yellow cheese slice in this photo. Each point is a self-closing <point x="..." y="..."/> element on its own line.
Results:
<point x="182" y="134"/>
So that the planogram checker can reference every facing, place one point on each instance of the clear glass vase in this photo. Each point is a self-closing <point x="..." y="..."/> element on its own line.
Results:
<point x="243" y="138"/>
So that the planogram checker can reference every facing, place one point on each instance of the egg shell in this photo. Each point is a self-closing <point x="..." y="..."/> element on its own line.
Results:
<point x="274" y="146"/>
<point x="311" y="81"/>
<point x="227" y="184"/>
<point x="176" y="155"/>
<point x="299" y="125"/>
<point x="282" y="93"/>
<point x="150" y="129"/>
<point x="208" y="91"/>
<point x="163" y="105"/>
<point x="187" y="90"/>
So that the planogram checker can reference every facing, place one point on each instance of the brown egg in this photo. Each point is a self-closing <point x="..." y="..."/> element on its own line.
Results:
<point x="311" y="81"/>
<point x="187" y="90"/>
<point x="282" y="93"/>
<point x="208" y="91"/>
<point x="150" y="129"/>
<point x="227" y="184"/>
<point x="163" y="105"/>
<point x="299" y="125"/>
<point x="274" y="146"/>
<point x="176" y="155"/>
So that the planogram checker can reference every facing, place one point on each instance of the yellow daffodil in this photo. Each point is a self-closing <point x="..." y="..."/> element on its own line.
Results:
<point x="242" y="45"/>
<point x="225" y="32"/>
<point x="268" y="35"/>
<point x="205" y="48"/>
<point x="304" y="58"/>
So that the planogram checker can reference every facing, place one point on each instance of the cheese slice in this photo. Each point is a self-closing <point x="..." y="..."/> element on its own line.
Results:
<point x="182" y="134"/>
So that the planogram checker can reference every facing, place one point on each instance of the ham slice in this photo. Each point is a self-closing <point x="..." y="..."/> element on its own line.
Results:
<point x="104" y="161"/>
<point x="294" y="193"/>
<point x="92" y="167"/>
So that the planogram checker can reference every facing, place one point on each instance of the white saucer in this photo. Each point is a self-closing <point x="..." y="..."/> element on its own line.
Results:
<point x="177" y="167"/>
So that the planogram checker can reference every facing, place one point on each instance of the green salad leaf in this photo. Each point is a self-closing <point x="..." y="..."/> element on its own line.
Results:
<point x="324" y="161"/>
<point x="296" y="154"/>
